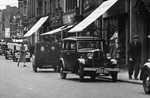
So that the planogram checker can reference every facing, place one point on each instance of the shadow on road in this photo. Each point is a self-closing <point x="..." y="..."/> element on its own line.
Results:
<point x="89" y="80"/>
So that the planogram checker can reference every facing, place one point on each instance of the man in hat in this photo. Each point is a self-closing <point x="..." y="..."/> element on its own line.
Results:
<point x="134" y="53"/>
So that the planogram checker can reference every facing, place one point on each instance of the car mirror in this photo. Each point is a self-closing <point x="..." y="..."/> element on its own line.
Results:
<point x="148" y="60"/>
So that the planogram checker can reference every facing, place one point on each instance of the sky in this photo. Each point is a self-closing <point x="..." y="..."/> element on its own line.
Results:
<point x="3" y="3"/>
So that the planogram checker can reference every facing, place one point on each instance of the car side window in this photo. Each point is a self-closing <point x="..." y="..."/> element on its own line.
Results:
<point x="73" y="45"/>
<point x="67" y="45"/>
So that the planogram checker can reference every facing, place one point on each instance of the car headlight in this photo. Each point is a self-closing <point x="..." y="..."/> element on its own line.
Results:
<point x="90" y="55"/>
<point x="108" y="56"/>
<point x="114" y="61"/>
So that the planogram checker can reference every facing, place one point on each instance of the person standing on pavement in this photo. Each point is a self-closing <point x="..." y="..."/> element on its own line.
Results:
<point x="134" y="53"/>
<point x="22" y="55"/>
<point x="115" y="49"/>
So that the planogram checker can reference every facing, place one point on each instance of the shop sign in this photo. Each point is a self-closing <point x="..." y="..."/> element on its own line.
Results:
<point x="56" y="19"/>
<point x="68" y="19"/>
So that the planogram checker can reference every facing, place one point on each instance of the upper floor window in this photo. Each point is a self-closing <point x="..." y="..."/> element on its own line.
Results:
<point x="71" y="5"/>
<point x="20" y="23"/>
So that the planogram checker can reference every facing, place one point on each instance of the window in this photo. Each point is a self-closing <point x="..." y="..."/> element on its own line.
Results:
<point x="72" y="45"/>
<point x="71" y="5"/>
<point x="89" y="44"/>
<point x="20" y="23"/>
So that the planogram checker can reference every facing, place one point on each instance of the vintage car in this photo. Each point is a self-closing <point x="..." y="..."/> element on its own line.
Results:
<point x="16" y="55"/>
<point x="46" y="55"/>
<point x="145" y="76"/>
<point x="16" y="52"/>
<point x="8" y="53"/>
<point x="85" y="56"/>
<point x="2" y="48"/>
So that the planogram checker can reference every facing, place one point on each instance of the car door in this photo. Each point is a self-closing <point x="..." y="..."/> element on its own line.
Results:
<point x="70" y="54"/>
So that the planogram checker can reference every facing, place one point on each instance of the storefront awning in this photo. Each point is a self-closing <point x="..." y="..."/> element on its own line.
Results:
<point x="54" y="31"/>
<point x="57" y="30"/>
<point x="36" y="26"/>
<point x="93" y="16"/>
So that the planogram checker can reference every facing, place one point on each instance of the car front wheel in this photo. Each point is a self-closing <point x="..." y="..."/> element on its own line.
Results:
<point x="146" y="82"/>
<point x="114" y="76"/>
<point x="34" y="67"/>
<point x="81" y="72"/>
<point x="62" y="74"/>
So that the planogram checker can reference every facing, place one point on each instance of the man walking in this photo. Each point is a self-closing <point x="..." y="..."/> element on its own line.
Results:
<point x="134" y="53"/>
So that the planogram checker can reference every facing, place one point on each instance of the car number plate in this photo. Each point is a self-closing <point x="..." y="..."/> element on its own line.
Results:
<point x="47" y="66"/>
<point x="102" y="70"/>
<point x="106" y="71"/>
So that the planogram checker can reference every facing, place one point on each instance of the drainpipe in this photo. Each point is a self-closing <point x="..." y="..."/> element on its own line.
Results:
<point x="129" y="32"/>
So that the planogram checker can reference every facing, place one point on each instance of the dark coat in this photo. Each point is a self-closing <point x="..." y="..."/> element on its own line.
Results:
<point x="114" y="50"/>
<point x="135" y="51"/>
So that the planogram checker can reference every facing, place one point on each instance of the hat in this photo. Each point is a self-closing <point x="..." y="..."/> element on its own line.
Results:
<point x="135" y="36"/>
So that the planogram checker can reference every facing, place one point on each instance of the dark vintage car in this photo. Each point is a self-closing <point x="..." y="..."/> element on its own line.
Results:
<point x="2" y="48"/>
<point x="46" y="55"/>
<point x="84" y="56"/>
<point x="145" y="76"/>
<point x="8" y="53"/>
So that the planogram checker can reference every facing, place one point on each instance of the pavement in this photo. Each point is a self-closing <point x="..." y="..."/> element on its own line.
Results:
<point x="123" y="77"/>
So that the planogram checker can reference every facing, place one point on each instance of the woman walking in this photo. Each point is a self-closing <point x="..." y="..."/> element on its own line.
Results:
<point x="22" y="55"/>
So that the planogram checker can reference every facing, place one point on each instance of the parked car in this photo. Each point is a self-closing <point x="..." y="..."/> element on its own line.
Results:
<point x="8" y="53"/>
<point x="85" y="56"/>
<point x="1" y="50"/>
<point x="17" y="54"/>
<point x="3" y="46"/>
<point x="145" y="76"/>
<point x="46" y="55"/>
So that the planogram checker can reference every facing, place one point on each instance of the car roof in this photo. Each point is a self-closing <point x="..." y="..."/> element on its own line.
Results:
<point x="83" y="38"/>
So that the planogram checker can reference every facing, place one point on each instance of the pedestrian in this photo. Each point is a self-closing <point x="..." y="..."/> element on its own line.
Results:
<point x="22" y="55"/>
<point x="116" y="49"/>
<point x="134" y="53"/>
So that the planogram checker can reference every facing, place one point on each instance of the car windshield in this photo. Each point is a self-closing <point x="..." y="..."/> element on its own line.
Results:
<point x="89" y="44"/>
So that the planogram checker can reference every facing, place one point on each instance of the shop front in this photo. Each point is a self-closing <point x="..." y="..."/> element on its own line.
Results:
<point x="143" y="12"/>
<point x="55" y="21"/>
<point x="116" y="25"/>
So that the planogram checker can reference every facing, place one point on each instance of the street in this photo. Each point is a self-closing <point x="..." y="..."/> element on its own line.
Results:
<point x="22" y="82"/>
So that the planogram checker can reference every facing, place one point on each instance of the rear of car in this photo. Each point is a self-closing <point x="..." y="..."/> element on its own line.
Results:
<point x="46" y="55"/>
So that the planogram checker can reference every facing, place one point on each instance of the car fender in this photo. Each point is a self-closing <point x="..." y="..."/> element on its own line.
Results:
<point x="32" y="59"/>
<point x="145" y="67"/>
<point x="62" y="60"/>
<point x="82" y="61"/>
<point x="114" y="61"/>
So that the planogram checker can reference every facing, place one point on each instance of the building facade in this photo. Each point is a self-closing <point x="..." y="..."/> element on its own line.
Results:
<point x="125" y="17"/>
<point x="1" y="25"/>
